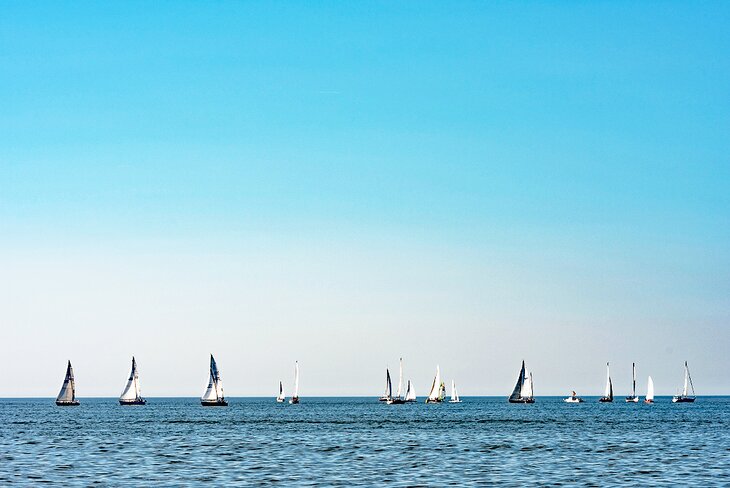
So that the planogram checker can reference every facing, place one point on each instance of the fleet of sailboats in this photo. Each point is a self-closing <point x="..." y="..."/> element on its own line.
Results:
<point x="523" y="391"/>
<point x="295" y="397"/>
<point x="132" y="394"/>
<point x="213" y="396"/>
<point x="608" y="393"/>
<point x="67" y="396"/>
<point x="684" y="397"/>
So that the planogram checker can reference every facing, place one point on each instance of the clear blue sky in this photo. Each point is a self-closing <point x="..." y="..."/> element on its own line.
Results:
<point x="347" y="182"/>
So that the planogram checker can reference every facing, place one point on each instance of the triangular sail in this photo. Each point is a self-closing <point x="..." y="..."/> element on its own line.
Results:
<point x="518" y="386"/>
<point x="68" y="390"/>
<point x="526" y="391"/>
<point x="215" y="385"/>
<point x="436" y="386"/>
<point x="281" y="392"/>
<point x="633" y="374"/>
<point x="650" y="389"/>
<point x="132" y="390"/>
<point x="689" y="377"/>
<point x="296" y="379"/>
<point x="608" y="393"/>
<point x="410" y="391"/>
<point x="389" y="386"/>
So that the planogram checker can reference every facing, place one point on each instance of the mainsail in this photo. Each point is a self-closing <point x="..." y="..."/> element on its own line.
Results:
<point x="214" y="392"/>
<point x="517" y="392"/>
<point x="608" y="393"/>
<point x="68" y="390"/>
<point x="132" y="391"/>
<point x="435" y="393"/>
<point x="687" y="381"/>
<point x="281" y="396"/>
<point x="410" y="392"/>
<point x="650" y="390"/>
<point x="388" y="386"/>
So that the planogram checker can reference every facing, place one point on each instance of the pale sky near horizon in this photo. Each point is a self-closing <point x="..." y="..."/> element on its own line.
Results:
<point x="345" y="183"/>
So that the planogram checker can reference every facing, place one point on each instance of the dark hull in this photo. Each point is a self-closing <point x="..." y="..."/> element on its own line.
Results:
<point x="74" y="403"/>
<point x="294" y="401"/>
<point x="396" y="401"/>
<point x="683" y="400"/>
<point x="214" y="403"/>
<point x="139" y="401"/>
<point x="605" y="400"/>
<point x="632" y="399"/>
<point x="522" y="400"/>
<point x="383" y="399"/>
<point x="433" y="401"/>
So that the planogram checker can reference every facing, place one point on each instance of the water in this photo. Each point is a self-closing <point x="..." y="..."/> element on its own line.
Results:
<point x="326" y="441"/>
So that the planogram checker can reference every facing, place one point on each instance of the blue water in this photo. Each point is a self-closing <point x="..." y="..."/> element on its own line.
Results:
<point x="358" y="441"/>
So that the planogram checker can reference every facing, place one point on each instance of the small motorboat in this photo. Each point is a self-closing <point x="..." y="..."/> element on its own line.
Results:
<point x="574" y="398"/>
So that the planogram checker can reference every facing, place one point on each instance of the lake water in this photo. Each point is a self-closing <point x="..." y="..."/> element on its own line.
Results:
<point x="358" y="441"/>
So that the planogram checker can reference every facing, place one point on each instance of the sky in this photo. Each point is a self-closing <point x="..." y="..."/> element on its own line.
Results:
<point x="345" y="183"/>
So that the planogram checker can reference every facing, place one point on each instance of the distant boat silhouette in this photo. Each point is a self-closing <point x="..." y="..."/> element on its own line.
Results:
<point x="523" y="391"/>
<point x="295" y="398"/>
<point x="132" y="393"/>
<point x="573" y="398"/>
<point x="684" y="397"/>
<point x="398" y="399"/>
<point x="281" y="397"/>
<point x="608" y="393"/>
<point x="213" y="396"/>
<point x="454" y="394"/>
<point x="649" y="391"/>
<point x="410" y="393"/>
<point x="633" y="398"/>
<point x="67" y="396"/>
<point x="388" y="388"/>
<point x="438" y="390"/>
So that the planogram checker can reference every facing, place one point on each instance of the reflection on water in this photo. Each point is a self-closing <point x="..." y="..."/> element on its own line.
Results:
<point x="326" y="441"/>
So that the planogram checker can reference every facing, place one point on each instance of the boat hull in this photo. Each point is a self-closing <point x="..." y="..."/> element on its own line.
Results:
<point x="605" y="400"/>
<point x="428" y="400"/>
<point x="454" y="401"/>
<point x="214" y="403"/>
<point x="396" y="401"/>
<point x="294" y="401"/>
<point x="649" y="401"/>
<point x="632" y="399"/>
<point x="74" y="403"/>
<point x="573" y="400"/>
<point x="280" y="400"/>
<point x="681" y="399"/>
<point x="138" y="401"/>
<point x="521" y="400"/>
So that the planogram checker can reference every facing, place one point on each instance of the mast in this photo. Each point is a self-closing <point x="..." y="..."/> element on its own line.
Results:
<point x="686" y="379"/>
<point x="633" y="369"/>
<point x="400" y="379"/>
<point x="689" y="377"/>
<point x="296" y="379"/>
<point x="608" y="393"/>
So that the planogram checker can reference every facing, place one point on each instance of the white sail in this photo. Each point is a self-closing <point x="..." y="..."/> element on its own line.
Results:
<point x="526" y="391"/>
<point x="281" y="396"/>
<point x="68" y="390"/>
<point x="400" y="380"/>
<point x="215" y="385"/>
<point x="650" y="390"/>
<point x="296" y="379"/>
<point x="607" y="392"/>
<point x="454" y="396"/>
<point x="410" y="392"/>
<point x="633" y="377"/>
<point x="132" y="390"/>
<point x="436" y="387"/>
<point x="686" y="379"/>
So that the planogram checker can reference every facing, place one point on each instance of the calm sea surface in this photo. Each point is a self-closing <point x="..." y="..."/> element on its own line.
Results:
<point x="326" y="441"/>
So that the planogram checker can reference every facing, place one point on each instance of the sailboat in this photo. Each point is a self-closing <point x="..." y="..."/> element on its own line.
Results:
<point x="633" y="398"/>
<point x="213" y="396"/>
<point x="410" y="393"/>
<point x="438" y="390"/>
<point x="523" y="392"/>
<point x="295" y="397"/>
<point x="684" y="397"/>
<point x="281" y="397"/>
<point x="398" y="398"/>
<point x="649" y="391"/>
<point x="573" y="398"/>
<point x="608" y="393"/>
<point x="454" y="394"/>
<point x="386" y="394"/>
<point x="132" y="393"/>
<point x="67" y="396"/>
